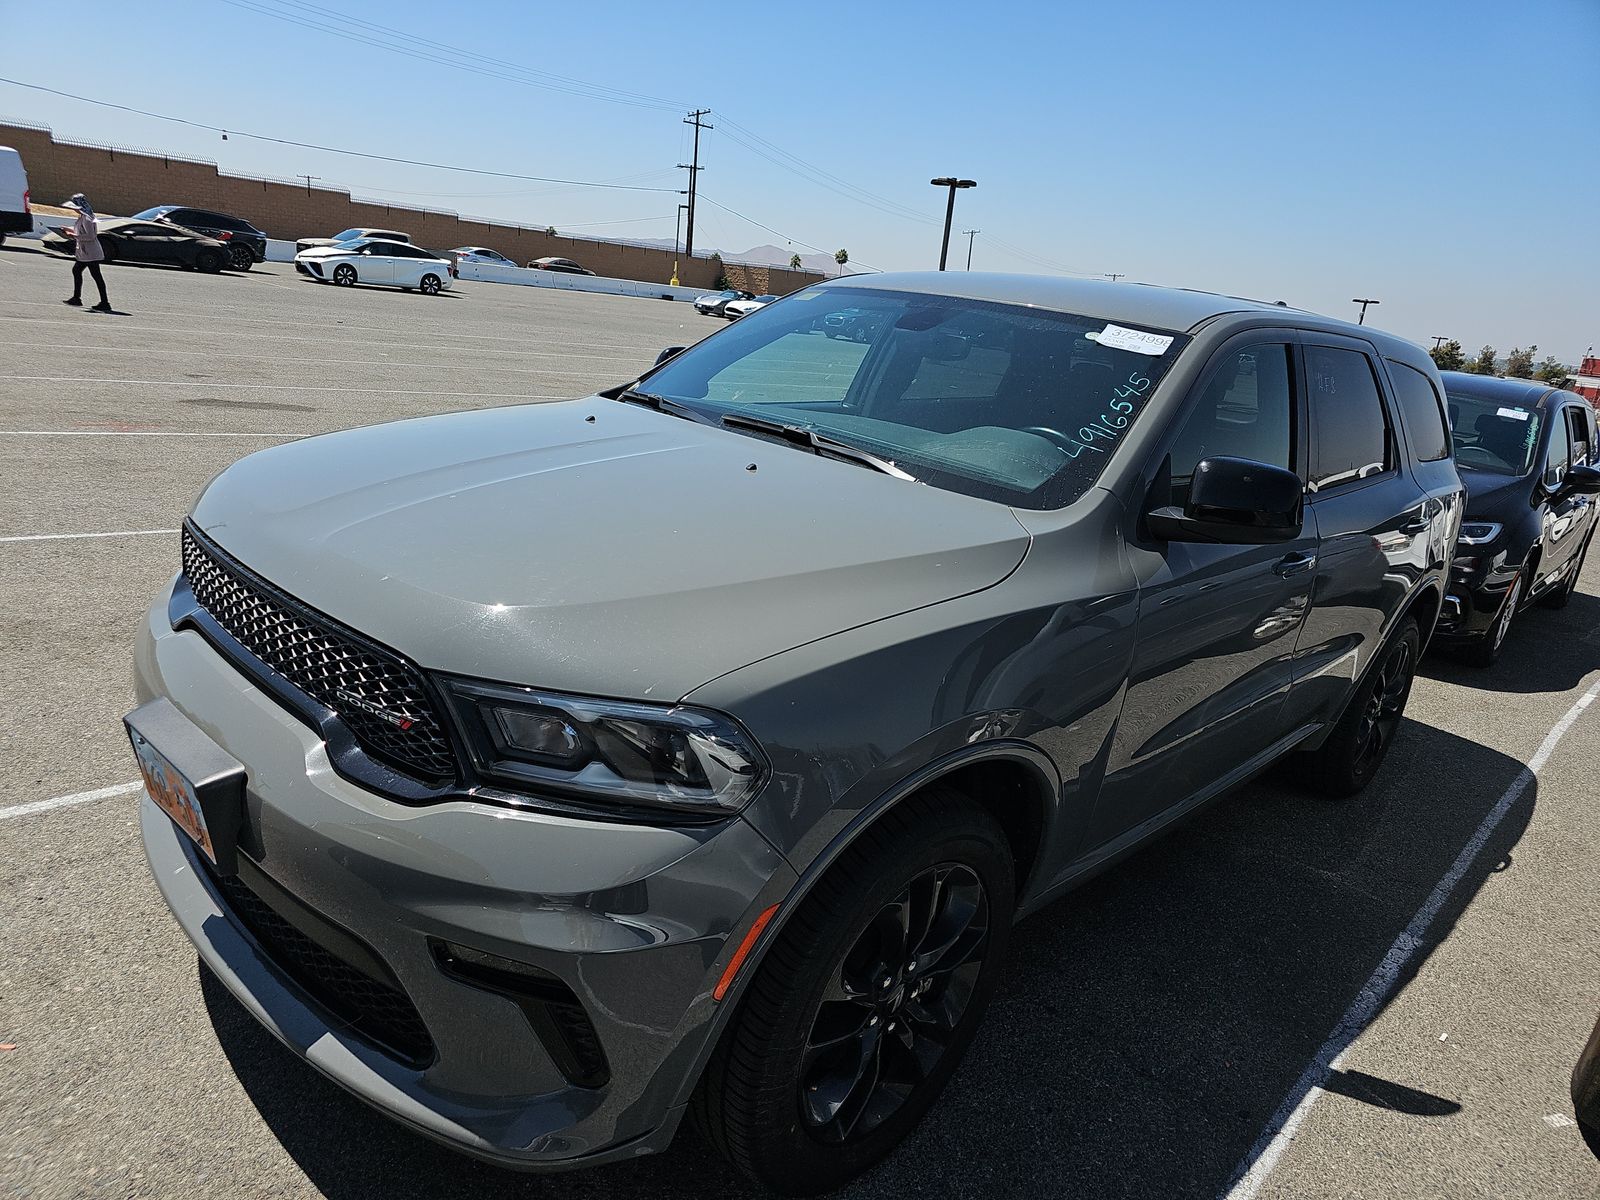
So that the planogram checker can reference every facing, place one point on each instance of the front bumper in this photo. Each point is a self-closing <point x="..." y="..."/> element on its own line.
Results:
<point x="633" y="921"/>
<point x="1472" y="600"/>
<point x="313" y="269"/>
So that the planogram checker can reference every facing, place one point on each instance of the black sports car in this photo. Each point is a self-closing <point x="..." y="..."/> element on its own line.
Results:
<point x="1526" y="452"/>
<point x="128" y="240"/>
<point x="247" y="245"/>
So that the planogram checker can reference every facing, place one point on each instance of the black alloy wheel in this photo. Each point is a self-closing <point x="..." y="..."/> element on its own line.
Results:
<point x="894" y="1003"/>
<point x="856" y="1016"/>
<point x="430" y="285"/>
<point x="344" y="275"/>
<point x="241" y="258"/>
<point x="1358" y="743"/>
<point x="1484" y="651"/>
<point x="210" y="261"/>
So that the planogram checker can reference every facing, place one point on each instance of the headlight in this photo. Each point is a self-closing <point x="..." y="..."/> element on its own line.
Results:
<point x="1478" y="533"/>
<point x="676" y="757"/>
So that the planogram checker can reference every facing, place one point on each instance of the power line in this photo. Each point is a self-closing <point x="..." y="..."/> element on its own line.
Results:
<point x="779" y="233"/>
<point x="261" y="137"/>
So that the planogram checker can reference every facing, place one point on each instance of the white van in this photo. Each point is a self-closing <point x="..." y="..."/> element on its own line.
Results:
<point x="15" y="215"/>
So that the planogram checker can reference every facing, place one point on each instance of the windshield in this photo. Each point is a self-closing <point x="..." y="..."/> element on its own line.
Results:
<point x="1490" y="436"/>
<point x="1013" y="404"/>
<point x="348" y="234"/>
<point x="150" y="214"/>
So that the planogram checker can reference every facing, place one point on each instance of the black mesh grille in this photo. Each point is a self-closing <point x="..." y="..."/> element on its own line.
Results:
<point x="381" y="699"/>
<point x="378" y="1011"/>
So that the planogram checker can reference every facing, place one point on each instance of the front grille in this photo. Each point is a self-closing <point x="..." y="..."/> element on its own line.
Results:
<point x="381" y="699"/>
<point x="376" y="1010"/>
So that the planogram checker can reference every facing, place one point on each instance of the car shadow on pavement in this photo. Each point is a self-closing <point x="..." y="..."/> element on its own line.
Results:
<point x="1546" y="650"/>
<point x="1150" y="1025"/>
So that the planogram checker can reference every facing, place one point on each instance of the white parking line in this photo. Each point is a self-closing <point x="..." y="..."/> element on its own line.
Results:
<point x="67" y="537"/>
<point x="1251" y="1173"/>
<point x="39" y="806"/>
<point x="273" y="387"/>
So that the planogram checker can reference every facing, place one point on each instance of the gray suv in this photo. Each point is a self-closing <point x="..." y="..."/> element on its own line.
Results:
<point x="548" y="773"/>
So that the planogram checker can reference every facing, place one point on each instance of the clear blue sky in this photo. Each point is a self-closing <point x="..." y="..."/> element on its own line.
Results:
<point x="1441" y="155"/>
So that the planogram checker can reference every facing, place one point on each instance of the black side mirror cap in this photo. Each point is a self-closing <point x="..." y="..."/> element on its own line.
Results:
<point x="1234" y="501"/>
<point x="669" y="352"/>
<point x="1583" y="479"/>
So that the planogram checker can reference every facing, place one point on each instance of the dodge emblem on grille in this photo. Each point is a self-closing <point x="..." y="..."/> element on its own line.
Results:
<point x="398" y="720"/>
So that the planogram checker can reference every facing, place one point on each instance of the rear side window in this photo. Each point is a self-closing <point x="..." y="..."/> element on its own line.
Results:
<point x="1421" y="412"/>
<point x="1349" y="429"/>
<point x="1246" y="410"/>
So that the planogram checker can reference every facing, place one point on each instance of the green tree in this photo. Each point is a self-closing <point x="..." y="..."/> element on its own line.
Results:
<point x="794" y="262"/>
<point x="1551" y="372"/>
<point x="1484" y="363"/>
<point x="1449" y="356"/>
<point x="1519" y="363"/>
<point x="841" y="257"/>
<point x="550" y="231"/>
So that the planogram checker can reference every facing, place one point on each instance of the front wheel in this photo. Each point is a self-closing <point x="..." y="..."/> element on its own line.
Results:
<point x="344" y="275"/>
<point x="1484" y="651"/>
<point x="866" y="1002"/>
<point x="241" y="258"/>
<point x="1350" y="758"/>
<point x="430" y="285"/>
<point x="209" y="261"/>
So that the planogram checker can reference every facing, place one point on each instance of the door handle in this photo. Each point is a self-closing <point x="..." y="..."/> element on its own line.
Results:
<point x="1295" y="564"/>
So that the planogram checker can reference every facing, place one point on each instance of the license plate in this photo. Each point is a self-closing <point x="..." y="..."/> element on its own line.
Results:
<point x="173" y="793"/>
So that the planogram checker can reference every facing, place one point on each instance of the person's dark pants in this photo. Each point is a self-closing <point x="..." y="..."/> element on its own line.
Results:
<point x="78" y="268"/>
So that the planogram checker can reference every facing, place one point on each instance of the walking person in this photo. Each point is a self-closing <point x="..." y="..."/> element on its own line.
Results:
<point x="90" y="255"/>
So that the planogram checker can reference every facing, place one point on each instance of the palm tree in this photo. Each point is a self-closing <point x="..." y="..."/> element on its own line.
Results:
<point x="794" y="262"/>
<point x="841" y="257"/>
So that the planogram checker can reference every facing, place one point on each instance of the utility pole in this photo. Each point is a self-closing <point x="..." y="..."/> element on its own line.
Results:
<point x="308" y="179"/>
<point x="694" y="169"/>
<point x="971" y="233"/>
<point x="1362" y="319"/>
<point x="1115" y="275"/>
<point x="1439" y="341"/>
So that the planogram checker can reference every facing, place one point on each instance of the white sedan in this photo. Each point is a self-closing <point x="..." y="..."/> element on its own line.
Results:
<point x="387" y="264"/>
<point x="481" y="254"/>
<point x="735" y="309"/>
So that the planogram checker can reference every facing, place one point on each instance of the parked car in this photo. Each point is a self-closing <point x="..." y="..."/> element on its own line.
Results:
<point x="1586" y="1090"/>
<point x="371" y="261"/>
<point x="734" y="309"/>
<point x="127" y="240"/>
<point x="564" y="265"/>
<point x="538" y="818"/>
<point x="246" y="244"/>
<point x="1526" y="452"/>
<point x="712" y="303"/>
<point x="16" y="215"/>
<point x="856" y="324"/>
<point x="480" y="254"/>
<point x="351" y="235"/>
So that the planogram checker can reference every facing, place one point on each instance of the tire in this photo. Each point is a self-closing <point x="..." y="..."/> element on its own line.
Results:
<point x="430" y="285"/>
<point x="210" y="261"/>
<point x="1484" y="651"/>
<point x="766" y="1097"/>
<point x="108" y="252"/>
<point x="1349" y="760"/>
<point x="241" y="258"/>
<point x="344" y="275"/>
<point x="1561" y="594"/>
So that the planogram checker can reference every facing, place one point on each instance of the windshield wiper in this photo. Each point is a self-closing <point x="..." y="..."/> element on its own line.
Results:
<point x="817" y="443"/>
<point x="663" y="405"/>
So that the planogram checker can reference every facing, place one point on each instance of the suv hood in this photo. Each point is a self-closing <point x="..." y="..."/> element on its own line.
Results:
<point x="594" y="546"/>
<point x="1492" y="495"/>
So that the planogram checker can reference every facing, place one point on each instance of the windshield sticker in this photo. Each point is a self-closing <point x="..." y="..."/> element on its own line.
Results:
<point x="1516" y="414"/>
<point x="1121" y="338"/>
<point x="1108" y="426"/>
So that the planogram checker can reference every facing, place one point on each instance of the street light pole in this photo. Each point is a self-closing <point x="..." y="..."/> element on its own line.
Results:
<point x="971" y="233"/>
<point x="952" y="183"/>
<point x="1362" y="319"/>
<point x="1439" y="340"/>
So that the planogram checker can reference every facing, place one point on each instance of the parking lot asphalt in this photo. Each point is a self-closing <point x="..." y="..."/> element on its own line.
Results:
<point x="1156" y="1028"/>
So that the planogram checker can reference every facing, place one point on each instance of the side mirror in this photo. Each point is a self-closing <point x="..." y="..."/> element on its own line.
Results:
<point x="1236" y="502"/>
<point x="669" y="352"/>
<point x="1583" y="479"/>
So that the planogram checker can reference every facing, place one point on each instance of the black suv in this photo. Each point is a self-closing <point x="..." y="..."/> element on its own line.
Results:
<point x="246" y="244"/>
<point x="1526" y="452"/>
